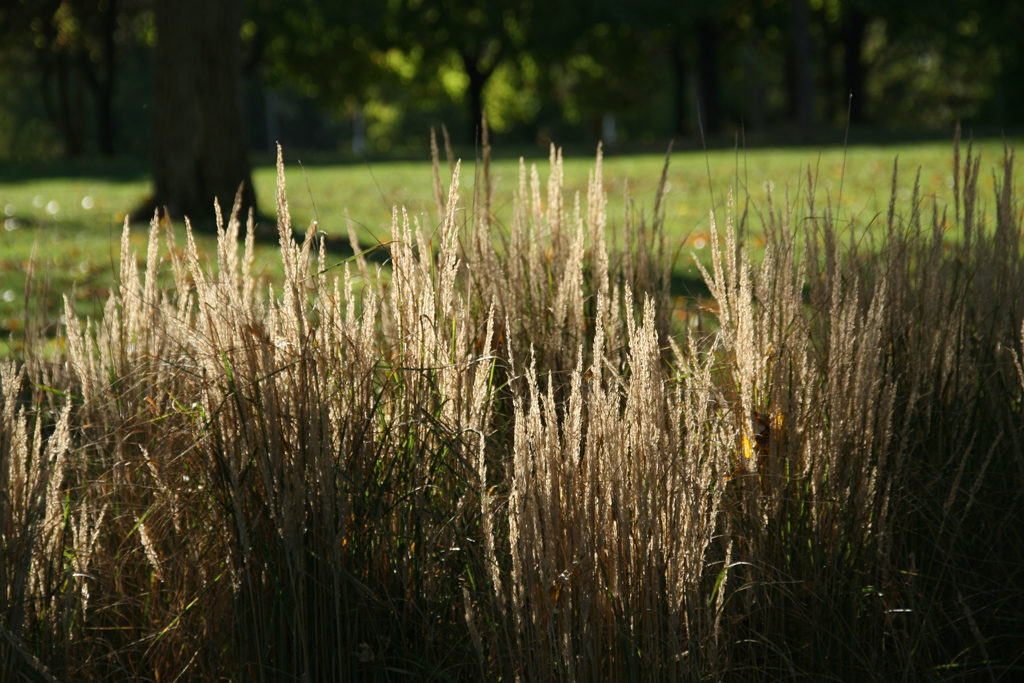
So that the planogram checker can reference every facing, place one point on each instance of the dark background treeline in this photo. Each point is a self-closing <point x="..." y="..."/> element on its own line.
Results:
<point x="371" y="76"/>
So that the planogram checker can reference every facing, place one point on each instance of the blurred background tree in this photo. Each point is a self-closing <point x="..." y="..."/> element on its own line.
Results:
<point x="69" y="55"/>
<point x="372" y="76"/>
<point x="198" y="148"/>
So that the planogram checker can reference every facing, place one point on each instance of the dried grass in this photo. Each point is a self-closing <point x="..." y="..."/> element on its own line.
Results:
<point x="500" y="462"/>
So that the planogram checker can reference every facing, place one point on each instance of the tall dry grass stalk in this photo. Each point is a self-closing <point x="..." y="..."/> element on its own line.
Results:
<point x="498" y="460"/>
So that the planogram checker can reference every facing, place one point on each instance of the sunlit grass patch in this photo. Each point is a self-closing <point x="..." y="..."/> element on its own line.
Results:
<point x="519" y="453"/>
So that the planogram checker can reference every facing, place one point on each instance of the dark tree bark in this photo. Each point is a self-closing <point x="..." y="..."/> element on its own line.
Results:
<point x="69" y="112"/>
<point x="223" y="159"/>
<point x="176" y="107"/>
<point x="477" y="80"/>
<point x="101" y="81"/>
<point x="803" y="83"/>
<point x="680" y="76"/>
<point x="853" y="65"/>
<point x="708" y="97"/>
<point x="198" y="142"/>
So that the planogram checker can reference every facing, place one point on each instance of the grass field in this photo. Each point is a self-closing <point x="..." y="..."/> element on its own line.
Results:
<point x="74" y="213"/>
<point x="518" y="464"/>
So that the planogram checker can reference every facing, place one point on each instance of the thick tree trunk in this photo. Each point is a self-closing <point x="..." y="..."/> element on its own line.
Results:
<point x="222" y="149"/>
<point x="477" y="81"/>
<point x="708" y="99"/>
<point x="176" y="107"/>
<point x="198" y="142"/>
<point x="853" y="65"/>
<point x="803" y="83"/>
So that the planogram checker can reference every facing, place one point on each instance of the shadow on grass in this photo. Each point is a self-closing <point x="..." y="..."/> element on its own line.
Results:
<point x="128" y="169"/>
<point x="117" y="170"/>
<point x="785" y="137"/>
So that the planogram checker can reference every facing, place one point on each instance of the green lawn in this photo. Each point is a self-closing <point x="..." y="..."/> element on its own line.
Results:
<point x="74" y="213"/>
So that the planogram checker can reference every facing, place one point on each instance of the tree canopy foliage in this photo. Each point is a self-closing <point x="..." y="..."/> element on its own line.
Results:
<point x="641" y="70"/>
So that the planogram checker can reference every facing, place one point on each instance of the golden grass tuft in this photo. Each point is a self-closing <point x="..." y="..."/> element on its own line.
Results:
<point x="498" y="460"/>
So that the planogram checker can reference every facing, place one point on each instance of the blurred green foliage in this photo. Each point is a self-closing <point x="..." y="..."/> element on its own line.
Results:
<point x="371" y="76"/>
